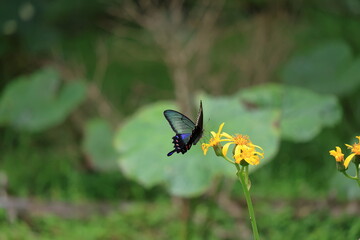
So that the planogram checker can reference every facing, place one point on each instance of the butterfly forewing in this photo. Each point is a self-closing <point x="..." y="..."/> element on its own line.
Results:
<point x="179" y="122"/>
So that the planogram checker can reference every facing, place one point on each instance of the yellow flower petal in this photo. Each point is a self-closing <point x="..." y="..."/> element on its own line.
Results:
<point x="260" y="154"/>
<point x="337" y="154"/>
<point x="220" y="128"/>
<point x="224" y="134"/>
<point x="256" y="146"/>
<point x="349" y="146"/>
<point x="253" y="160"/>
<point x="226" y="148"/>
<point x="205" y="147"/>
<point x="348" y="160"/>
<point x="237" y="150"/>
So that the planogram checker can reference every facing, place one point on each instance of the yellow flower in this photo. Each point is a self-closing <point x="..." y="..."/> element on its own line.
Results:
<point x="240" y="141"/>
<point x="244" y="148"/>
<point x="214" y="140"/>
<point x="247" y="153"/>
<point x="338" y="155"/>
<point x="355" y="149"/>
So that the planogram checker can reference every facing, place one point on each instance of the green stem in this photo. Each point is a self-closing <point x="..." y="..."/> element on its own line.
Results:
<point x="228" y="159"/>
<point x="358" y="173"/>
<point x="242" y="175"/>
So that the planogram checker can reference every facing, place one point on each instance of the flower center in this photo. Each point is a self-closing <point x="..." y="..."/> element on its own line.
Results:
<point x="356" y="149"/>
<point x="241" y="140"/>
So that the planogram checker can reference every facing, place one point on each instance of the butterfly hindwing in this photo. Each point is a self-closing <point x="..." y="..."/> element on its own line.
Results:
<point x="187" y="133"/>
<point x="180" y="143"/>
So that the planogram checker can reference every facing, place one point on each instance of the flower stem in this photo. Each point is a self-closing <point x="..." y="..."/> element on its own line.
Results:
<point x="228" y="159"/>
<point x="243" y="175"/>
<point x="358" y="173"/>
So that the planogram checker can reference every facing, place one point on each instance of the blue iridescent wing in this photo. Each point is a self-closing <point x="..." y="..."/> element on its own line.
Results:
<point x="181" y="143"/>
<point x="179" y="122"/>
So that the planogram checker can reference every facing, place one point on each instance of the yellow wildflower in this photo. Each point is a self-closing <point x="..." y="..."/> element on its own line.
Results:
<point x="244" y="149"/>
<point x="337" y="154"/>
<point x="339" y="157"/>
<point x="355" y="149"/>
<point x="247" y="153"/>
<point x="214" y="140"/>
<point x="241" y="141"/>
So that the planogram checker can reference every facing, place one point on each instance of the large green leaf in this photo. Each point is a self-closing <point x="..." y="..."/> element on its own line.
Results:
<point x="327" y="68"/>
<point x="143" y="143"/>
<point x="98" y="144"/>
<point x="145" y="139"/>
<point x="36" y="102"/>
<point x="303" y="112"/>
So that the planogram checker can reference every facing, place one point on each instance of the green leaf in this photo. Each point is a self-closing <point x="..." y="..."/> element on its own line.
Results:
<point x="143" y="144"/>
<point x="145" y="139"/>
<point x="303" y="112"/>
<point x="98" y="144"/>
<point x="350" y="78"/>
<point x="327" y="68"/>
<point x="34" y="103"/>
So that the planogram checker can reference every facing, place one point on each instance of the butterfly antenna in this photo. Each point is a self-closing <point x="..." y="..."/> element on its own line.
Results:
<point x="207" y="121"/>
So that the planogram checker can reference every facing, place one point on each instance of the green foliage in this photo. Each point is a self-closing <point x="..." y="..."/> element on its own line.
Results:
<point x="327" y="68"/>
<point x="52" y="174"/>
<point x="129" y="64"/>
<point x="158" y="220"/>
<point x="266" y="113"/>
<point x="98" y="144"/>
<point x="146" y="138"/>
<point x="42" y="173"/>
<point x="301" y="119"/>
<point x="308" y="226"/>
<point x="36" y="102"/>
<point x="138" y="221"/>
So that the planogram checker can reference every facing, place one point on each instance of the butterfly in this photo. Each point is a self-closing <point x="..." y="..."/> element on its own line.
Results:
<point x="187" y="132"/>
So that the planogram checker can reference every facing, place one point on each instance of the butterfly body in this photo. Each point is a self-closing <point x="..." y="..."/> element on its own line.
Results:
<point x="187" y="132"/>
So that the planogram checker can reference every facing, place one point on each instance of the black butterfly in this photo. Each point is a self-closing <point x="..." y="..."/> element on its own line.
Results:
<point x="187" y="133"/>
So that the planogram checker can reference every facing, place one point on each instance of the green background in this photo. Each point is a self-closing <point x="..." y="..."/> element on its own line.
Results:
<point x="83" y="139"/>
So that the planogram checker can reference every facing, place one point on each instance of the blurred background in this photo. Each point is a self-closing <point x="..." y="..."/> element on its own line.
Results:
<point x="83" y="140"/>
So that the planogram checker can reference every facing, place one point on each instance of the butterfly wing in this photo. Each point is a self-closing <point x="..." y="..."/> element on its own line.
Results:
<point x="179" y="122"/>
<point x="181" y="143"/>
<point x="198" y="130"/>
<point x="187" y="133"/>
